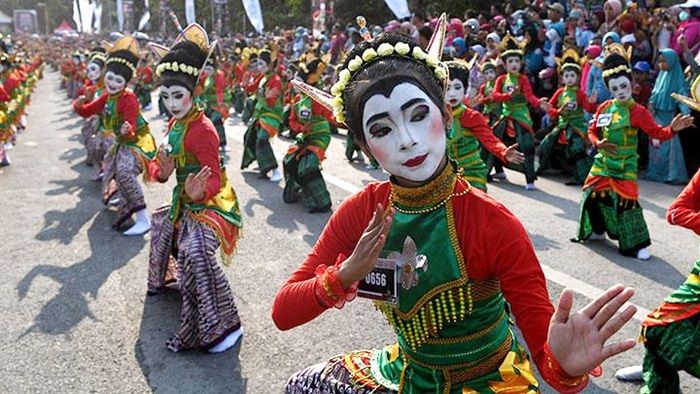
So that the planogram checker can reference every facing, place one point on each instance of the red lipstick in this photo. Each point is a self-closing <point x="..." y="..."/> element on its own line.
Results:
<point x="416" y="161"/>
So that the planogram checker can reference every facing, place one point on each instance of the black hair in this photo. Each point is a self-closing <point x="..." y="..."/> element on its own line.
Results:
<point x="570" y="63"/>
<point x="613" y="61"/>
<point x="98" y="60"/>
<point x="121" y="68"/>
<point x="425" y="32"/>
<point x="310" y="69"/>
<point x="381" y="76"/>
<point x="189" y="54"/>
<point x="461" y="73"/>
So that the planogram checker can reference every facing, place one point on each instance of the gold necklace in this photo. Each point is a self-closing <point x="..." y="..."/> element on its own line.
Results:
<point x="438" y="205"/>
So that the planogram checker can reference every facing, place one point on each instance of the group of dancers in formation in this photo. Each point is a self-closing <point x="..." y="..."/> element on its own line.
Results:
<point x="19" y="73"/>
<point x="463" y="263"/>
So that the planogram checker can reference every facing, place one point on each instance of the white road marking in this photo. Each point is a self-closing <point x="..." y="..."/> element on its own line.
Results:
<point x="558" y="277"/>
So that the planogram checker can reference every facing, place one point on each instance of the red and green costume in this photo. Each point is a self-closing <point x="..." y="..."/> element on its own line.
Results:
<point x="266" y="120"/>
<point x="610" y="193"/>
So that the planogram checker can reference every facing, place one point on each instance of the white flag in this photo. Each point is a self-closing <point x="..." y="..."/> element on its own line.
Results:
<point x="190" y="14"/>
<point x="86" y="15"/>
<point x="399" y="8"/>
<point x="76" y="17"/>
<point x="252" y="9"/>
<point x="146" y="16"/>
<point x="98" y="17"/>
<point x="120" y="15"/>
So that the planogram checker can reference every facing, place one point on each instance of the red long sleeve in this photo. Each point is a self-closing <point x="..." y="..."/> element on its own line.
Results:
<point x="496" y="94"/>
<point x="685" y="209"/>
<point x="492" y="240"/>
<point x="476" y="123"/>
<point x="220" y="86"/>
<point x="273" y="90"/>
<point x="92" y="108"/>
<point x="4" y="96"/>
<point x="554" y="102"/>
<point x="641" y="118"/>
<point x="128" y="105"/>
<point x="525" y="90"/>
<point x="294" y="124"/>
<point x="584" y="103"/>
<point x="203" y="142"/>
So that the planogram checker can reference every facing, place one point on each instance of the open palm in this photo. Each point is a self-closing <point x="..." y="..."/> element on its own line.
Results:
<point x="578" y="341"/>
<point x="195" y="185"/>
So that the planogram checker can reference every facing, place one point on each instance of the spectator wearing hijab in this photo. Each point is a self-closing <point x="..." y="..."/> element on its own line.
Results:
<point x="690" y="28"/>
<point x="611" y="9"/>
<point x="666" y="163"/>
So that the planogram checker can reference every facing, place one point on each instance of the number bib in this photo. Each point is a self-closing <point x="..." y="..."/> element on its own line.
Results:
<point x="381" y="284"/>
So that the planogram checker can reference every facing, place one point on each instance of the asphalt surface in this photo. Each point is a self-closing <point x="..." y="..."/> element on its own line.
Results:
<point x="76" y="317"/>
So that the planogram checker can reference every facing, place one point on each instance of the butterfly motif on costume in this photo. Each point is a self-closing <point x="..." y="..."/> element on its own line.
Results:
<point x="409" y="262"/>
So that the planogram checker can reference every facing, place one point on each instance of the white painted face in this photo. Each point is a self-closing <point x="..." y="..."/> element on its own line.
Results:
<point x="405" y="132"/>
<point x="455" y="92"/>
<point x="209" y="69"/>
<point x="513" y="64"/>
<point x="177" y="100"/>
<point x="94" y="71"/>
<point x="621" y="88"/>
<point x="262" y="66"/>
<point x="490" y="74"/>
<point x="114" y="83"/>
<point x="570" y="78"/>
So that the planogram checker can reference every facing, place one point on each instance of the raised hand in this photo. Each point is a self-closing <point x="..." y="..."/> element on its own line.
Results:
<point x="545" y="105"/>
<point x="195" y="185"/>
<point x="126" y="128"/>
<point x="681" y="122"/>
<point x="514" y="156"/>
<point x="167" y="164"/>
<point x="578" y="341"/>
<point x="607" y="146"/>
<point x="364" y="257"/>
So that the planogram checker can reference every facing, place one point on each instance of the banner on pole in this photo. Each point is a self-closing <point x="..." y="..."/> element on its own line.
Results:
<point x="252" y="9"/>
<point x="86" y="11"/>
<point x="120" y="15"/>
<point x="190" y="14"/>
<point x="76" y="17"/>
<point x="97" y="14"/>
<point x="145" y="17"/>
<point x="399" y="8"/>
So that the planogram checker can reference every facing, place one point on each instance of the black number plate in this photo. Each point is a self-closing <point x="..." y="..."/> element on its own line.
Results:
<point x="381" y="284"/>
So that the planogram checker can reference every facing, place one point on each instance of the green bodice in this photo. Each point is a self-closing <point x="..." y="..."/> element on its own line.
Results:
<point x="444" y="321"/>
<point x="462" y="145"/>
<point x="492" y="106"/>
<point x="111" y="122"/>
<point x="225" y="203"/>
<point x="571" y="113"/>
<point x="623" y="163"/>
<point x="516" y="107"/>
<point x="320" y="130"/>
<point x="271" y="115"/>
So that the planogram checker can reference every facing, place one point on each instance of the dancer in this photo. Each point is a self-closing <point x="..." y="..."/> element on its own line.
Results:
<point x="93" y="89"/>
<point x="514" y="91"/>
<point x="568" y="142"/>
<point x="134" y="145"/>
<point x="469" y="128"/>
<point x="266" y="120"/>
<point x="144" y="82"/>
<point x="308" y="121"/>
<point x="456" y="274"/>
<point x="204" y="213"/>
<point x="211" y="98"/>
<point x="610" y="200"/>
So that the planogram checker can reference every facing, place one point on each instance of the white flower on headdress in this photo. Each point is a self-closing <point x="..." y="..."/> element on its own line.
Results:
<point x="419" y="54"/>
<point x="339" y="116"/>
<point x="183" y="68"/>
<point x="337" y="88"/>
<point x="174" y="65"/>
<point x="344" y="77"/>
<point x="385" y="49"/>
<point x="354" y="64"/>
<point x="440" y="73"/>
<point x="337" y="103"/>
<point x="402" y="48"/>
<point x="369" y="54"/>
<point x="191" y="70"/>
<point x="432" y="61"/>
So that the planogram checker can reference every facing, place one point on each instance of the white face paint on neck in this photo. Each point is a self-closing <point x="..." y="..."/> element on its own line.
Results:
<point x="621" y="88"/>
<point x="455" y="93"/>
<point x="94" y="71"/>
<point x="177" y="100"/>
<point x="570" y="78"/>
<point x="114" y="82"/>
<point x="405" y="132"/>
<point x="513" y="64"/>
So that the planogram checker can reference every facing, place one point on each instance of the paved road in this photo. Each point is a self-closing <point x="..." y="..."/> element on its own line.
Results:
<point x="76" y="317"/>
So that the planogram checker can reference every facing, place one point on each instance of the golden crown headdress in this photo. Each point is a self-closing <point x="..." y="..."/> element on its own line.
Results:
<point x="333" y="100"/>
<point x="193" y="33"/>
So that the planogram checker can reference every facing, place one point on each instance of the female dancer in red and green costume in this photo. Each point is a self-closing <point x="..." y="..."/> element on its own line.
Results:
<point x="212" y="99"/>
<point x="568" y="141"/>
<point x="469" y="128"/>
<point x="91" y="131"/>
<point x="203" y="215"/>
<point x="456" y="274"/>
<point x="267" y="117"/>
<point x="134" y="145"/>
<point x="308" y="122"/>
<point x="491" y="109"/>
<point x="609" y="203"/>
<point x="514" y="91"/>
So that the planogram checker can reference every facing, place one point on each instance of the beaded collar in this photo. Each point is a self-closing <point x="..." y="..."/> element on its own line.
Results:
<point x="427" y="197"/>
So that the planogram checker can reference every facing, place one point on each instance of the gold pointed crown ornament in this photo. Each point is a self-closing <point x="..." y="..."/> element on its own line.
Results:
<point x="510" y="47"/>
<point x="193" y="33"/>
<point x="693" y="101"/>
<point x="431" y="58"/>
<point x="569" y="60"/>
<point x="116" y="50"/>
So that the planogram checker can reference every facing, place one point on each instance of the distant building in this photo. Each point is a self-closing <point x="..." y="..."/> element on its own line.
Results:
<point x="5" y="23"/>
